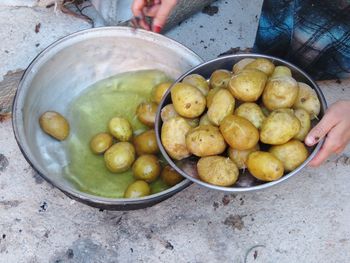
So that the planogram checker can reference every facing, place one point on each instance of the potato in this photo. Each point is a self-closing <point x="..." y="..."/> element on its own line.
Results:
<point x="240" y="157"/>
<point x="168" y="112"/>
<point x="146" y="113"/>
<point x="263" y="65"/>
<point x="198" y="82"/>
<point x="146" y="143"/>
<point x="239" y="66"/>
<point x="204" y="120"/>
<point x="120" y="128"/>
<point x="170" y="177"/>
<point x="281" y="71"/>
<point x="119" y="157"/>
<point x="264" y="110"/>
<point x="264" y="166"/>
<point x="239" y="133"/>
<point x="220" y="78"/>
<point x="247" y="85"/>
<point x="55" y="125"/>
<point x="101" y="142"/>
<point x="305" y="122"/>
<point x="217" y="170"/>
<point x="188" y="101"/>
<point x="211" y="95"/>
<point x="279" y="127"/>
<point x="173" y="136"/>
<point x="280" y="92"/>
<point x="307" y="99"/>
<point x="222" y="105"/>
<point x="252" y="112"/>
<point x="291" y="154"/>
<point x="160" y="90"/>
<point x="205" y="140"/>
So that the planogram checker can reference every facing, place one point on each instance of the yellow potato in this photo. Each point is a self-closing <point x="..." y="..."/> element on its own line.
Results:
<point x="101" y="142"/>
<point x="170" y="177"/>
<point x="188" y="101"/>
<point x="168" y="112"/>
<point x="252" y="112"/>
<point x="160" y="90"/>
<point x="279" y="127"/>
<point x="205" y="140"/>
<point x="146" y="113"/>
<point x="239" y="66"/>
<point x="220" y="78"/>
<point x="281" y="71"/>
<point x="280" y="92"/>
<point x="198" y="82"/>
<point x="119" y="157"/>
<point x="222" y="105"/>
<point x="55" y="125"/>
<point x="263" y="65"/>
<point x="217" y="170"/>
<point x="204" y="120"/>
<point x="120" y="128"/>
<point x="264" y="166"/>
<point x="211" y="95"/>
<point x="239" y="133"/>
<point x="307" y="99"/>
<point x="247" y="85"/>
<point x="240" y="157"/>
<point x="146" y="143"/>
<point x="173" y="137"/>
<point x="305" y="122"/>
<point x="291" y="154"/>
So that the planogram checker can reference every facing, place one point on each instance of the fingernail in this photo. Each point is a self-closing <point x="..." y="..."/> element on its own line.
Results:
<point x="157" y="29"/>
<point x="310" y="140"/>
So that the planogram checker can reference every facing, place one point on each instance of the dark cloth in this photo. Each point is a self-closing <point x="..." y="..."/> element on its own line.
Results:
<point x="314" y="35"/>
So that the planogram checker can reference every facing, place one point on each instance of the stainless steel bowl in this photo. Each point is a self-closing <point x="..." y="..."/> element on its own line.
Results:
<point x="67" y="68"/>
<point x="246" y="182"/>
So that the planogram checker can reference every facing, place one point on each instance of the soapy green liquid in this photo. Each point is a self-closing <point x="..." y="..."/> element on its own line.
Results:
<point x="116" y="96"/>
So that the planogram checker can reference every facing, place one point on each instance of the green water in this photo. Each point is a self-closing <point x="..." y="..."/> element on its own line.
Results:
<point x="116" y="96"/>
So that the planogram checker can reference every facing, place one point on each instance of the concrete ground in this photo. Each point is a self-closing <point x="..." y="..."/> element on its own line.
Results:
<point x="306" y="219"/>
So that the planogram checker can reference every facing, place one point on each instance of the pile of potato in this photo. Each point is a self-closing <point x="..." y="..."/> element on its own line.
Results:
<point x="227" y="120"/>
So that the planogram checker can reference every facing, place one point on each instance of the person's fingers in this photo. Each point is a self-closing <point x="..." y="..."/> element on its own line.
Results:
<point x="340" y="149"/>
<point x="322" y="155"/>
<point x="151" y="11"/>
<point x="137" y="7"/>
<point x="162" y="16"/>
<point x="321" y="129"/>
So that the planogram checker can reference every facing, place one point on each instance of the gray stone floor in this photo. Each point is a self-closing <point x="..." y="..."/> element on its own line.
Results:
<point x="306" y="219"/>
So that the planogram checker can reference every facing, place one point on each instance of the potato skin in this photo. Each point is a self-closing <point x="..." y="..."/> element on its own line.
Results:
<point x="211" y="95"/>
<point x="146" y="143"/>
<point x="252" y="112"/>
<point x="170" y="177"/>
<point x="222" y="105"/>
<point x="279" y="127"/>
<point x="240" y="157"/>
<point x="146" y="113"/>
<point x="54" y="124"/>
<point x="240" y="65"/>
<point x="160" y="90"/>
<point x="291" y="154"/>
<point x="281" y="71"/>
<point x="205" y="140"/>
<point x="280" y="92"/>
<point x="119" y="157"/>
<point x="101" y="142"/>
<point x="307" y="99"/>
<point x="198" y="82"/>
<point x="146" y="168"/>
<point x="173" y="137"/>
<point x="188" y="101"/>
<point x="263" y="65"/>
<point x="220" y="78"/>
<point x="137" y="189"/>
<point x="217" y="170"/>
<point x="239" y="133"/>
<point x="204" y="120"/>
<point x="305" y="124"/>
<point x="120" y="128"/>
<point x="265" y="166"/>
<point x="247" y="85"/>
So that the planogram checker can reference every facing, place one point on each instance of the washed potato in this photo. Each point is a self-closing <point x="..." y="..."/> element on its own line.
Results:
<point x="168" y="112"/>
<point x="263" y="65"/>
<point x="222" y="105"/>
<point x="305" y="124"/>
<point x="137" y="189"/>
<point x="146" y="113"/>
<point x="291" y="154"/>
<point x="160" y="90"/>
<point x="281" y="71"/>
<point x="146" y="168"/>
<point x="101" y="142"/>
<point x="240" y="65"/>
<point x="188" y="101"/>
<point x="217" y="170"/>
<point x="279" y="127"/>
<point x="173" y="136"/>
<point x="307" y="99"/>
<point x="240" y="157"/>
<point x="220" y="78"/>
<point x="120" y="157"/>
<point x="120" y="128"/>
<point x="247" y="85"/>
<point x="54" y="124"/>
<point x="252" y="112"/>
<point x="280" y="92"/>
<point x="264" y="166"/>
<point x="146" y="143"/>
<point x="211" y="95"/>
<point x="204" y="120"/>
<point x="198" y="82"/>
<point x="239" y="133"/>
<point x="205" y="140"/>
<point x="170" y="177"/>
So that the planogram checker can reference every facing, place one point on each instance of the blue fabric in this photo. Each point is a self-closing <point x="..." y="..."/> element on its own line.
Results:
<point x="314" y="35"/>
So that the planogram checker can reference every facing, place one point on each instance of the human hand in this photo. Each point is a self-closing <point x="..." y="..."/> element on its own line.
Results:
<point x="336" y="125"/>
<point x="159" y="10"/>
